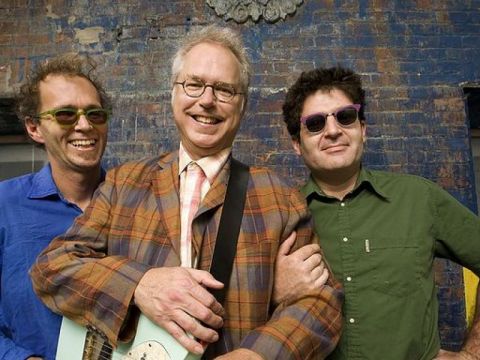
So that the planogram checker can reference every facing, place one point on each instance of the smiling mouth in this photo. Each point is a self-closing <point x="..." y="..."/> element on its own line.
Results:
<point x="206" y="120"/>
<point x="334" y="147"/>
<point x="83" y="143"/>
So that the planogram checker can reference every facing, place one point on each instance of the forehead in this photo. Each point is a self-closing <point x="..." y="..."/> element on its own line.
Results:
<point x="325" y="101"/>
<point x="211" y="62"/>
<point x="67" y="90"/>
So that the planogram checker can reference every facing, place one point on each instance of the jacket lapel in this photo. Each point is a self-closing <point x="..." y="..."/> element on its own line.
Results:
<point x="206" y="221"/>
<point x="165" y="186"/>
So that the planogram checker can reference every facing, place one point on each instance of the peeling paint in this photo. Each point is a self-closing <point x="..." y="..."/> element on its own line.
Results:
<point x="5" y="76"/>
<point x="50" y="13"/>
<point x="89" y="35"/>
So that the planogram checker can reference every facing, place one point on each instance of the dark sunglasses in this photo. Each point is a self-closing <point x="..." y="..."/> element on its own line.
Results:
<point x="69" y="116"/>
<point x="344" y="116"/>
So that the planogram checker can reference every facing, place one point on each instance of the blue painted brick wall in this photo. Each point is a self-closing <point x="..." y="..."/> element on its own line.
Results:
<point x="412" y="56"/>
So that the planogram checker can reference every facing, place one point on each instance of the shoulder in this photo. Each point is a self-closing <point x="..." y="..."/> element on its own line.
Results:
<point x="406" y="186"/>
<point x="400" y="179"/>
<point x="264" y="177"/>
<point x="267" y="184"/>
<point x="137" y="171"/>
<point x="16" y="187"/>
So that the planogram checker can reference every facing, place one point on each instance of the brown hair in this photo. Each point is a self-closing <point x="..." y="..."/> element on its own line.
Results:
<point x="28" y="97"/>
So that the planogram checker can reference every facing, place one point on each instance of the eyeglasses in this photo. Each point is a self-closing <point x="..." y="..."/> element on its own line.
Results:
<point x="195" y="88"/>
<point x="344" y="116"/>
<point x="69" y="116"/>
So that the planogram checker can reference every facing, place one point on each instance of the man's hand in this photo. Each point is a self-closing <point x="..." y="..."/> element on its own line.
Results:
<point x="462" y="355"/>
<point x="176" y="299"/>
<point x="299" y="273"/>
<point x="240" y="354"/>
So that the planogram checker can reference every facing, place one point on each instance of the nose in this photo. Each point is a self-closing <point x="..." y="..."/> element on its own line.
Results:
<point x="82" y="123"/>
<point x="208" y="97"/>
<point x="332" y="128"/>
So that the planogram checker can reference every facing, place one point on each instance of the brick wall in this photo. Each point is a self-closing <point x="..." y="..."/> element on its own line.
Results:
<point x="412" y="56"/>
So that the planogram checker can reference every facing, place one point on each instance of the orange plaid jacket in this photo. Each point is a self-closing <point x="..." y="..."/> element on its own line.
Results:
<point x="133" y="224"/>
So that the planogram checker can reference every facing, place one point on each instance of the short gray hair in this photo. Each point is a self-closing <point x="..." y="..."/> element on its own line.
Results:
<point x="223" y="36"/>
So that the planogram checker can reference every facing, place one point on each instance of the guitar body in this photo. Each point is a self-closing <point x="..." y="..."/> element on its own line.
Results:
<point x="151" y="342"/>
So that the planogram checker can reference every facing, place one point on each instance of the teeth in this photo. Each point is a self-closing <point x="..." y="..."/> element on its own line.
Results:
<point x="206" y="120"/>
<point x="82" y="142"/>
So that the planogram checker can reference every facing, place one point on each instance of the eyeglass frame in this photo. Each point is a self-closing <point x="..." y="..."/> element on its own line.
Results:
<point x="78" y="111"/>
<point x="213" y="86"/>
<point x="357" y="108"/>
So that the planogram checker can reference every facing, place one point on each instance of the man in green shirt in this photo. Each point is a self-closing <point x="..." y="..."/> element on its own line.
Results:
<point x="379" y="231"/>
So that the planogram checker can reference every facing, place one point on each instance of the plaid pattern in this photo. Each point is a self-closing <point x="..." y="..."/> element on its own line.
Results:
<point x="133" y="224"/>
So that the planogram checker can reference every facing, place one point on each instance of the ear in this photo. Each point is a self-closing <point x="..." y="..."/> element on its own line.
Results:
<point x="364" y="131"/>
<point x="244" y="106"/>
<point x="296" y="146"/>
<point x="34" y="131"/>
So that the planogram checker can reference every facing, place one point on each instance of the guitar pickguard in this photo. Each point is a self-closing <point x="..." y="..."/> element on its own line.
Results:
<point x="149" y="350"/>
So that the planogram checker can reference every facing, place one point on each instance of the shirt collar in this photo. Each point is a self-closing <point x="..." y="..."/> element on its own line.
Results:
<point x="366" y="180"/>
<point x="211" y="165"/>
<point x="44" y="186"/>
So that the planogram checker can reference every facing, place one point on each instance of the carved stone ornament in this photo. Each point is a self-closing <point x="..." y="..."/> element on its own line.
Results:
<point x="241" y="10"/>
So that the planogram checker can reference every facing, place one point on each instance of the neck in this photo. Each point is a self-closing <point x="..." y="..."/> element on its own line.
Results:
<point x="77" y="187"/>
<point x="337" y="183"/>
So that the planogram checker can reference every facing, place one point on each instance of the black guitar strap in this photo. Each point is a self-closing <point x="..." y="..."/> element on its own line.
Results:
<point x="228" y="230"/>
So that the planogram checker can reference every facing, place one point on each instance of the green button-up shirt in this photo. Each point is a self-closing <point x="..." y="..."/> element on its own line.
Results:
<point x="380" y="241"/>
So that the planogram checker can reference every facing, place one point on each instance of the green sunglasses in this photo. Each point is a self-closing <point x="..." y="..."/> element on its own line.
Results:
<point x="69" y="116"/>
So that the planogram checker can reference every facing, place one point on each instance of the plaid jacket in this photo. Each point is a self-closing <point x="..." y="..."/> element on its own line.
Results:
<point x="133" y="224"/>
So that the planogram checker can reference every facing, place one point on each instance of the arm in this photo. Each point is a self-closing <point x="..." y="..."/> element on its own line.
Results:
<point x="471" y="347"/>
<point x="307" y="327"/>
<point x="8" y="348"/>
<point x="458" y="231"/>
<point x="92" y="273"/>
<point x="472" y="344"/>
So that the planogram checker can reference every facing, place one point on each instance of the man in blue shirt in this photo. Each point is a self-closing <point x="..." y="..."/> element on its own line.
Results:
<point x="65" y="111"/>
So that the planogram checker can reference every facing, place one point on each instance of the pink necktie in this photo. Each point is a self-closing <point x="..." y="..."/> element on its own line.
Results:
<point x="191" y="201"/>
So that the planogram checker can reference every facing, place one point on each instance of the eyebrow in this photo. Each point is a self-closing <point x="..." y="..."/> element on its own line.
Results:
<point x="216" y="83"/>
<point x="70" y="106"/>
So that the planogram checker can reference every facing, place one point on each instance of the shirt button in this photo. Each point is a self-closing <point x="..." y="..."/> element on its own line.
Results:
<point x="349" y="278"/>
<point x="345" y="239"/>
<point x="351" y="320"/>
<point x="342" y="204"/>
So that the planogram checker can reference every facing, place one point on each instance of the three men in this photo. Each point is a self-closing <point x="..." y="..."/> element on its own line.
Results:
<point x="380" y="231"/>
<point x="65" y="111"/>
<point x="134" y="248"/>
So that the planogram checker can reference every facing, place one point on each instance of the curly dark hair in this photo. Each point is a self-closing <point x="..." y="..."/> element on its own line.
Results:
<point x="27" y="99"/>
<point x="324" y="79"/>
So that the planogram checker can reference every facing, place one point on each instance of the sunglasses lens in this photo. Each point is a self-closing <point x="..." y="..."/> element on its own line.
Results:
<point x="315" y="123"/>
<point x="97" y="116"/>
<point x="66" y="117"/>
<point x="347" y="116"/>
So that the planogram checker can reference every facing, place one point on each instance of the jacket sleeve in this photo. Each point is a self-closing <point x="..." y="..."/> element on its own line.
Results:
<point x="76" y="277"/>
<point x="310" y="327"/>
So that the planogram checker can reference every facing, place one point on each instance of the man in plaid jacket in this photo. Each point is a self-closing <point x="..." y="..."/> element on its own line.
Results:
<point x="127" y="253"/>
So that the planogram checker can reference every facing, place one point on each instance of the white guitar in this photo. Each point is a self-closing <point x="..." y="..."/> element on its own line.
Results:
<point x="151" y="342"/>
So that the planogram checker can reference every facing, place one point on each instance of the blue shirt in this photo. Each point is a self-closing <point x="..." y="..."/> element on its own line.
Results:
<point x="32" y="213"/>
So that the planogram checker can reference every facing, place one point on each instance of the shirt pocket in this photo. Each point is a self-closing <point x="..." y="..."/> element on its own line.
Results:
<point x="393" y="266"/>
